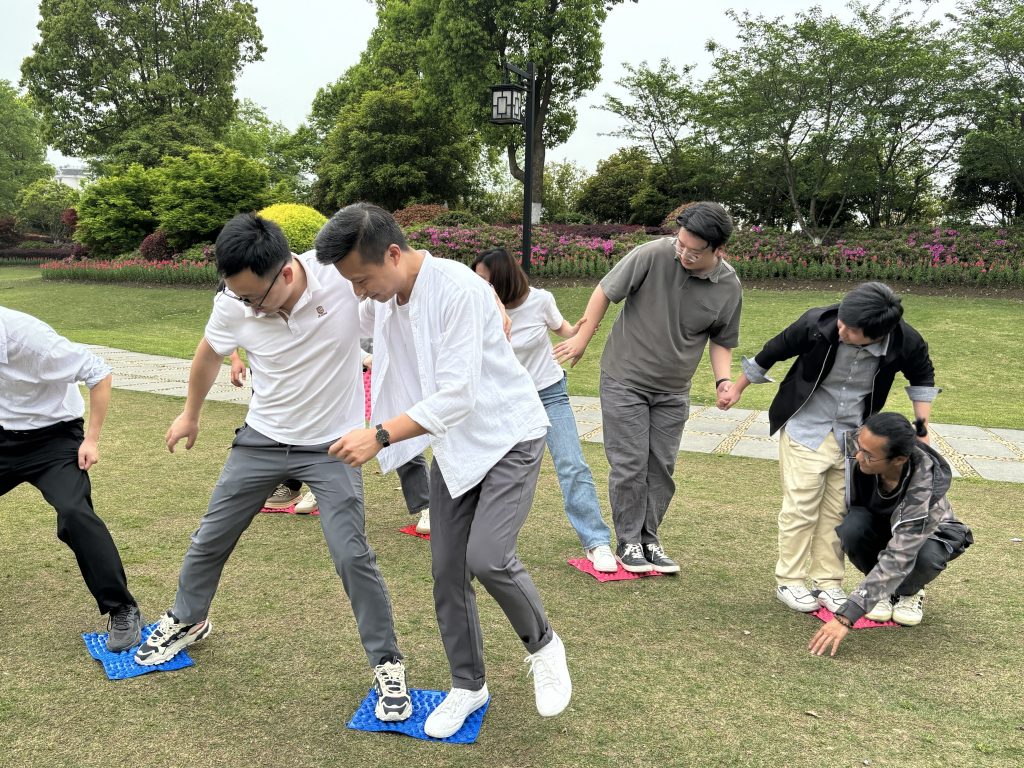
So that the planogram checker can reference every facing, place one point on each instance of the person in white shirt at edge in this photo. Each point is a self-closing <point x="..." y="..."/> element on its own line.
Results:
<point x="42" y="443"/>
<point x="534" y="312"/>
<point x="298" y="321"/>
<point x="445" y="372"/>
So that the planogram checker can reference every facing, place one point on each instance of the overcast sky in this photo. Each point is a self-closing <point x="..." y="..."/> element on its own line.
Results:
<point x="312" y="42"/>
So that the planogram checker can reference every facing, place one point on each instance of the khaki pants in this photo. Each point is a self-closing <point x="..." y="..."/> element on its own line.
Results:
<point x="813" y="500"/>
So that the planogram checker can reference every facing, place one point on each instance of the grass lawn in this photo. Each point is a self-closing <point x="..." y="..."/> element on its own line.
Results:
<point x="975" y="343"/>
<point x="705" y="669"/>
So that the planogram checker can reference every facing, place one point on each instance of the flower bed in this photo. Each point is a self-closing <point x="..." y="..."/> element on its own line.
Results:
<point x="137" y="271"/>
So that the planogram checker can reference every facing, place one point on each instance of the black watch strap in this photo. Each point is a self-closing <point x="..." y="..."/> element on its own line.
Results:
<point x="383" y="437"/>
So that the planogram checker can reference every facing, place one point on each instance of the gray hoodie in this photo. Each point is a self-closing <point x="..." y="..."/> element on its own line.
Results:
<point x="923" y="513"/>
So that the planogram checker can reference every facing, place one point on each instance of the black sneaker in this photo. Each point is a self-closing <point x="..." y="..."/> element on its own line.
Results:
<point x="124" y="627"/>
<point x="169" y="637"/>
<point x="393" y="702"/>
<point x="631" y="556"/>
<point x="659" y="561"/>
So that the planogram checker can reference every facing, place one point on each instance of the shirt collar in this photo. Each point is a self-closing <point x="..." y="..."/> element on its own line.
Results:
<point x="877" y="348"/>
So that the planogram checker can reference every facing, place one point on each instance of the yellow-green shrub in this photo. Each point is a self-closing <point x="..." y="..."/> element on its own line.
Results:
<point x="300" y="223"/>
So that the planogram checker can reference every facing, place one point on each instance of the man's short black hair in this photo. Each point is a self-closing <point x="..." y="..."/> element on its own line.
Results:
<point x="362" y="227"/>
<point x="708" y="221"/>
<point x="251" y="242"/>
<point x="872" y="308"/>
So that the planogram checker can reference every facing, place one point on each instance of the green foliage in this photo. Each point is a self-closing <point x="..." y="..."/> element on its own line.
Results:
<point x="41" y="207"/>
<point x="201" y="191"/>
<point x="22" y="149"/>
<point x="607" y="195"/>
<point x="103" y="70"/>
<point x="133" y="270"/>
<point x="256" y="136"/>
<point x="149" y="143"/>
<point x="463" y="219"/>
<point x="418" y="214"/>
<point x="563" y="184"/>
<point x="300" y="224"/>
<point x="116" y="212"/>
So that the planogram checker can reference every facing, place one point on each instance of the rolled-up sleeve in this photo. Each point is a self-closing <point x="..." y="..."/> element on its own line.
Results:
<point x="66" y="362"/>
<point x="755" y="373"/>
<point x="921" y="394"/>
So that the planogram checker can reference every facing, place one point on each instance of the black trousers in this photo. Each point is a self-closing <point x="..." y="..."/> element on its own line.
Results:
<point x="863" y="535"/>
<point x="48" y="459"/>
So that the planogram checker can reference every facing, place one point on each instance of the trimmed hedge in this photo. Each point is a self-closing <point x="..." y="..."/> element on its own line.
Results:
<point x="300" y="223"/>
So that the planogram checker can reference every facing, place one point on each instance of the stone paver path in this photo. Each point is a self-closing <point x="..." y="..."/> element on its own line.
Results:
<point x="990" y="453"/>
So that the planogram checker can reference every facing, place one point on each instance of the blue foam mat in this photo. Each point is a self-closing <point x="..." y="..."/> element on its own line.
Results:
<point x="423" y="703"/>
<point x="120" y="666"/>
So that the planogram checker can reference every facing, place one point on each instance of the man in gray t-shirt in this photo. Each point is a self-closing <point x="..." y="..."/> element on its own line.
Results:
<point x="680" y="296"/>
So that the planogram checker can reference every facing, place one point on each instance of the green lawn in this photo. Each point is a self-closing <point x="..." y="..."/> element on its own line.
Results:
<point x="705" y="669"/>
<point x="975" y="343"/>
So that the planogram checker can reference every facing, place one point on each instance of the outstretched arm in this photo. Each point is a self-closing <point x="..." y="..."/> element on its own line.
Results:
<point x="205" y="367"/>
<point x="572" y="349"/>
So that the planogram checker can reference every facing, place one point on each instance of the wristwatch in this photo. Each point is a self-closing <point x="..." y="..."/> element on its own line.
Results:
<point x="383" y="437"/>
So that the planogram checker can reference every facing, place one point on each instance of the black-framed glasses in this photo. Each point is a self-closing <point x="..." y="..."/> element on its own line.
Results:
<point x="854" y="447"/>
<point x="259" y="302"/>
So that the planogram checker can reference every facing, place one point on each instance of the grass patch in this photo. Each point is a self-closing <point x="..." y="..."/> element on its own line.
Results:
<point x="706" y="669"/>
<point x="974" y="342"/>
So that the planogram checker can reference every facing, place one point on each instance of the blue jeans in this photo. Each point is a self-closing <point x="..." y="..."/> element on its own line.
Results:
<point x="578" y="493"/>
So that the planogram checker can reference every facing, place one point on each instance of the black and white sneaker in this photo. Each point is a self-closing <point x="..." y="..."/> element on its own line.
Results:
<point x="631" y="556"/>
<point x="168" y="637"/>
<point x="124" y="628"/>
<point x="393" y="702"/>
<point x="659" y="561"/>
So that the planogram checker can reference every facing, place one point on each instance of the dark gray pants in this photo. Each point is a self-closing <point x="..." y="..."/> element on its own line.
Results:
<point x="642" y="431"/>
<point x="415" y="483"/>
<point x="475" y="536"/>
<point x="255" y="466"/>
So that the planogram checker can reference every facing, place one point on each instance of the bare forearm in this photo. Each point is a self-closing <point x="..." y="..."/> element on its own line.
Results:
<point x="721" y="361"/>
<point x="593" y="314"/>
<point x="205" y="366"/>
<point x="99" y="401"/>
<point x="403" y="428"/>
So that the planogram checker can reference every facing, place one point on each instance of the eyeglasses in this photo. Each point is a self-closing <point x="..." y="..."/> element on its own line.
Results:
<point x="854" y="449"/>
<point x="259" y="302"/>
<point x="682" y="250"/>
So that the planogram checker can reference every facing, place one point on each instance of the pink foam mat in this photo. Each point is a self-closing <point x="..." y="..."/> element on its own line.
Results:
<point x="862" y="623"/>
<point x="290" y="510"/>
<point x="411" y="530"/>
<point x="584" y="564"/>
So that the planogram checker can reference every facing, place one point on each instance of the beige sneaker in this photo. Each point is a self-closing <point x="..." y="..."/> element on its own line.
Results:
<point x="882" y="610"/>
<point x="423" y="524"/>
<point x="308" y="505"/>
<point x="909" y="609"/>
<point x="282" y="497"/>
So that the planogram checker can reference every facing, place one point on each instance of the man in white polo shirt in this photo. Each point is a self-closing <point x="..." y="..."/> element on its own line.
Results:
<point x="299" y="323"/>
<point x="443" y="368"/>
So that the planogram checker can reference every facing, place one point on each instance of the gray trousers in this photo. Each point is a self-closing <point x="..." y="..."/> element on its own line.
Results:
<point x="415" y="483"/>
<point x="256" y="465"/>
<point x="475" y="536"/>
<point x="642" y="431"/>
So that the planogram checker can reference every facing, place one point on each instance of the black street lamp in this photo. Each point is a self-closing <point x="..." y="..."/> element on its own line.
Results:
<point x="507" y="108"/>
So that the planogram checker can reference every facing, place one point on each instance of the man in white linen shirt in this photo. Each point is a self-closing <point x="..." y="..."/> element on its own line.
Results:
<point x="445" y="369"/>
<point x="42" y="443"/>
<point x="299" y="323"/>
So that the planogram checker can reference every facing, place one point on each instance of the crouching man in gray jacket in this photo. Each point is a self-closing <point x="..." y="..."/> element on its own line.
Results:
<point x="899" y="529"/>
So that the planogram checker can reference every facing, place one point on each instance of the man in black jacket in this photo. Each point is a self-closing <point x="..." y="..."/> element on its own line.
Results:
<point x="847" y="356"/>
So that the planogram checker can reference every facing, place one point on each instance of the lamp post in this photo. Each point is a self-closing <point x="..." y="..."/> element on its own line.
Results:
<point x="507" y="108"/>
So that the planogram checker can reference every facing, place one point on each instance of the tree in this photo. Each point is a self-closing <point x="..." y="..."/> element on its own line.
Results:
<point x="201" y="191"/>
<point x="469" y="41"/>
<point x="22" y="149"/>
<point x="391" y="147"/>
<point x="991" y="162"/>
<point x="255" y="135"/>
<point x="661" y="105"/>
<point x="794" y="91"/>
<point x="104" y="68"/>
<point x="116" y="212"/>
<point x="607" y="195"/>
<point x="41" y="206"/>
<point x="563" y="184"/>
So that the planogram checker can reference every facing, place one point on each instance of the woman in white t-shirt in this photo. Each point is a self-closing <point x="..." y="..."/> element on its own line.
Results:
<point x="533" y="313"/>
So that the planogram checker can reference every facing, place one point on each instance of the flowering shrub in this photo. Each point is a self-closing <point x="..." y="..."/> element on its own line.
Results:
<point x="300" y="223"/>
<point x="137" y="271"/>
<point x="418" y="214"/>
<point x="154" y="247"/>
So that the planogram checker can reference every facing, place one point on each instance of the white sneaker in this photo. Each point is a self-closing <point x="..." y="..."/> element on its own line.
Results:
<point x="603" y="559"/>
<point x="449" y="716"/>
<point x="833" y="599"/>
<point x="308" y="505"/>
<point x="552" y="686"/>
<point x="423" y="524"/>
<point x="909" y="609"/>
<point x="393" y="701"/>
<point x="882" y="610"/>
<point x="798" y="598"/>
